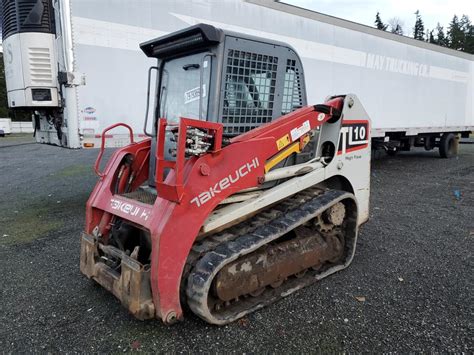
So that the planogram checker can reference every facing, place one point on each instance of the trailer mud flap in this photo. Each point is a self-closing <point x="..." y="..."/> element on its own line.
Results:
<point x="131" y="285"/>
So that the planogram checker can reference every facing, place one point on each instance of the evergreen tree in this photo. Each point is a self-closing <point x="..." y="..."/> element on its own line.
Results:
<point x="419" y="29"/>
<point x="455" y="34"/>
<point x="378" y="22"/>
<point x="431" y="38"/>
<point x="469" y="40"/>
<point x="440" y="36"/>
<point x="465" y="24"/>
<point x="459" y="34"/>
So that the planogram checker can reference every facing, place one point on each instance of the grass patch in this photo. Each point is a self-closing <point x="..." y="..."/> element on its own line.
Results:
<point x="41" y="218"/>
<point x="18" y="135"/>
<point x="27" y="225"/>
<point x="17" y="138"/>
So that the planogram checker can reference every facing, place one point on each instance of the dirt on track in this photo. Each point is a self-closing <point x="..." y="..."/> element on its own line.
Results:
<point x="409" y="287"/>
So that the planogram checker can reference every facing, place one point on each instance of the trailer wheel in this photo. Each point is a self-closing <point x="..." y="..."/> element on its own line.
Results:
<point x="448" y="145"/>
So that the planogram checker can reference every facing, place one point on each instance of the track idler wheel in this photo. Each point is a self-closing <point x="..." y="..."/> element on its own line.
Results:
<point x="331" y="218"/>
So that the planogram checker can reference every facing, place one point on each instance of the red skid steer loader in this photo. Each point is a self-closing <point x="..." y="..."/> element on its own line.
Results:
<point x="243" y="193"/>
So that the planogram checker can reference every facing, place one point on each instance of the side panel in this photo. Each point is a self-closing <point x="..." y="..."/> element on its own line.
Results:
<point x="403" y="87"/>
<point x="115" y="92"/>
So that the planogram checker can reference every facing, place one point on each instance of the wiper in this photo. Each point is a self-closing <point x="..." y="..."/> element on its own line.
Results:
<point x="190" y="66"/>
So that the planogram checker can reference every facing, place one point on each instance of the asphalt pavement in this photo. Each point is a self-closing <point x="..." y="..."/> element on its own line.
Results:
<point x="409" y="287"/>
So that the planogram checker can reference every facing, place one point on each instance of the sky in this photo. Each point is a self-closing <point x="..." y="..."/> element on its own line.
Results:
<point x="363" y="11"/>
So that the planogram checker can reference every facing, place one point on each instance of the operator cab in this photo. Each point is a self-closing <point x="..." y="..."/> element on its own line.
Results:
<point x="220" y="76"/>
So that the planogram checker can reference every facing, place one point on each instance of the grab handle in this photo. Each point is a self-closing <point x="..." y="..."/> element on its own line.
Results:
<point x="102" y="146"/>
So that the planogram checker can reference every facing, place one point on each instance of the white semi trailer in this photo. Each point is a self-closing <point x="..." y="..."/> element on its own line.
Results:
<point x="77" y="65"/>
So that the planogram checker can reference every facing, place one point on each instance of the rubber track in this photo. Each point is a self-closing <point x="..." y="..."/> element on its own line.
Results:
<point x="212" y="241"/>
<point x="217" y="251"/>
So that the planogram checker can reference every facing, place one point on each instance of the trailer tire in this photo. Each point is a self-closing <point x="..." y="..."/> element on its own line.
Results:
<point x="448" y="145"/>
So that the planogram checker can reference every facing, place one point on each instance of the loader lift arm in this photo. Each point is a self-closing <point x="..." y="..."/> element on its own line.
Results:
<point x="290" y="134"/>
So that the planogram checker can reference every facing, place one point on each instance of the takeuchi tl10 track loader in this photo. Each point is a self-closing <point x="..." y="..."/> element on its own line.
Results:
<point x="243" y="193"/>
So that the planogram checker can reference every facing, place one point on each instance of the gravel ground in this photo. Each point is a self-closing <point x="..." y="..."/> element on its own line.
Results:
<point x="409" y="287"/>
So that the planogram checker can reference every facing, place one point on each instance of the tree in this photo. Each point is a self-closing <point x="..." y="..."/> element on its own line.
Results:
<point x="440" y="36"/>
<point x="419" y="29"/>
<point x="396" y="25"/>
<point x="455" y="34"/>
<point x="465" y="23"/>
<point x="430" y="37"/>
<point x="378" y="22"/>
<point x="466" y="26"/>
<point x="469" y="40"/>
<point x="397" y="30"/>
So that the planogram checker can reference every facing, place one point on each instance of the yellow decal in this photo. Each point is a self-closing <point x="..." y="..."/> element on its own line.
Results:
<point x="294" y="148"/>
<point x="283" y="141"/>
